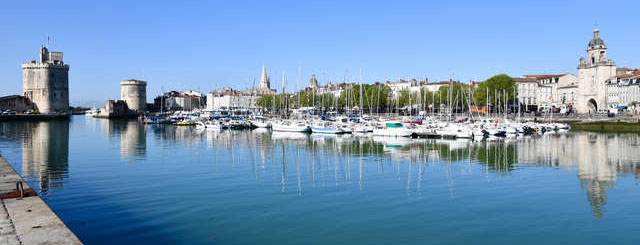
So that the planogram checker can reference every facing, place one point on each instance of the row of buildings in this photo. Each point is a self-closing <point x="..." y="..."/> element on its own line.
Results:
<point x="599" y="85"/>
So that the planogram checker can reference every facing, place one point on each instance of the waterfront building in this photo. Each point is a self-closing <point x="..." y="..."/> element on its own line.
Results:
<point x="593" y="74"/>
<point x="46" y="83"/>
<point x="540" y="92"/>
<point x="598" y="86"/>
<point x="527" y="94"/>
<point x="334" y="89"/>
<point x="116" y="109"/>
<point x="435" y="86"/>
<point x="16" y="103"/>
<point x="187" y="102"/>
<point x="229" y="98"/>
<point x="134" y="92"/>
<point x="411" y="86"/>
<point x="175" y="101"/>
<point x="555" y="82"/>
<point x="415" y="86"/>
<point x="624" y="91"/>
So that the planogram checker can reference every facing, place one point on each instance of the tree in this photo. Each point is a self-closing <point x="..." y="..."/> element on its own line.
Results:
<point x="373" y="96"/>
<point x="497" y="84"/>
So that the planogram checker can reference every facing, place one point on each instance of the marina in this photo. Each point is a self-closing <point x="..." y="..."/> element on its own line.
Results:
<point x="174" y="184"/>
<point x="319" y="122"/>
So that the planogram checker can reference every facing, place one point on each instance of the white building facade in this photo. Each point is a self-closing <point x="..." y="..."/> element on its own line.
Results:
<point x="593" y="74"/>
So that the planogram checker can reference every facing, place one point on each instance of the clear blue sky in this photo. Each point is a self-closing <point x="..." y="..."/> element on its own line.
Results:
<point x="180" y="45"/>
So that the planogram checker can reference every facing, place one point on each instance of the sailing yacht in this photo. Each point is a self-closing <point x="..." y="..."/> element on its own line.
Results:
<point x="393" y="129"/>
<point x="325" y="127"/>
<point x="290" y="126"/>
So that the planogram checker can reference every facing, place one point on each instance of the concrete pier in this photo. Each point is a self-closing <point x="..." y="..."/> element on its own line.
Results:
<point x="27" y="219"/>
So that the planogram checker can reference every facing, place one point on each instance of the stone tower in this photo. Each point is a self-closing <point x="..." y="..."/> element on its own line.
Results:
<point x="265" y="82"/>
<point x="593" y="73"/>
<point x="134" y="92"/>
<point x="46" y="83"/>
<point x="313" y="82"/>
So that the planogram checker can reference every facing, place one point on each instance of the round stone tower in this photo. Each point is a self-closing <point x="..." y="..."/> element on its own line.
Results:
<point x="134" y="92"/>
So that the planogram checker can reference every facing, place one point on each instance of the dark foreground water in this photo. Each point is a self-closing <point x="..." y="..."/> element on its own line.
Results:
<point x="120" y="182"/>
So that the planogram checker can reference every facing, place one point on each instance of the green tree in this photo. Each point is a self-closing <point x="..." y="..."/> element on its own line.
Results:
<point x="373" y="96"/>
<point x="497" y="84"/>
<point x="459" y="94"/>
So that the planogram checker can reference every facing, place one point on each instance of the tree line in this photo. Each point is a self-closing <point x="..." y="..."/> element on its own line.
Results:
<point x="379" y="97"/>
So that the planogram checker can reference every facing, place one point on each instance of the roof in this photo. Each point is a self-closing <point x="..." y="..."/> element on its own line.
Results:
<point x="626" y="76"/>
<point x="596" y="41"/>
<point x="545" y="76"/>
<point x="443" y="83"/>
<point x="525" y="79"/>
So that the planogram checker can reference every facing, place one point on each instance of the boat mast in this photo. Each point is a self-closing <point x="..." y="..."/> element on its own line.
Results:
<point x="360" y="85"/>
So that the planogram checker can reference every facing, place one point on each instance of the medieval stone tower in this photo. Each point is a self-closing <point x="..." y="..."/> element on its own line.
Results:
<point x="134" y="92"/>
<point x="46" y="83"/>
<point x="593" y="74"/>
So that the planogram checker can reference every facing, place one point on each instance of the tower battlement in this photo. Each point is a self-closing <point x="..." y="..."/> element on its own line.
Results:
<point x="46" y="83"/>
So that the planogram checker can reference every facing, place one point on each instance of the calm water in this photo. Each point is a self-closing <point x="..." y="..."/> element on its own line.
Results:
<point x="122" y="182"/>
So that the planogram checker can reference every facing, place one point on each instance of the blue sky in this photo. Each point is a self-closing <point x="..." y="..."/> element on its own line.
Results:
<point x="180" y="45"/>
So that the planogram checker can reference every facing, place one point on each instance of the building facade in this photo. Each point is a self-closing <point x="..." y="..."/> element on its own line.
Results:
<point x="598" y="86"/>
<point x="593" y="74"/>
<point x="228" y="98"/>
<point x="46" y="83"/>
<point x="624" y="91"/>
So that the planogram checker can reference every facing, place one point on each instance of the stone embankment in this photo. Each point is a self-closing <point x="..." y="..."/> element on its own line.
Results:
<point x="24" y="217"/>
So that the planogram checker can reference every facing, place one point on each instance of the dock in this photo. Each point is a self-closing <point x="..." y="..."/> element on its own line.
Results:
<point x="34" y="117"/>
<point x="24" y="217"/>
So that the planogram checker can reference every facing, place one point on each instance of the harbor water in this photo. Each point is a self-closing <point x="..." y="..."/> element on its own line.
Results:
<point x="123" y="182"/>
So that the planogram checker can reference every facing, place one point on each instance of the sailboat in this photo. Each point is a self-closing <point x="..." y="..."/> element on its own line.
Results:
<point x="393" y="129"/>
<point x="290" y="126"/>
<point x="325" y="127"/>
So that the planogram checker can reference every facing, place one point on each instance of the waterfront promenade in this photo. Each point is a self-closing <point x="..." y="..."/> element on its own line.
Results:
<point x="27" y="220"/>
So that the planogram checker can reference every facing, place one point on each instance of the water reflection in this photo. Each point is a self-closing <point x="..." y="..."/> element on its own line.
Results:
<point x="300" y="162"/>
<point x="45" y="152"/>
<point x="130" y="133"/>
<point x="599" y="159"/>
<point x="336" y="160"/>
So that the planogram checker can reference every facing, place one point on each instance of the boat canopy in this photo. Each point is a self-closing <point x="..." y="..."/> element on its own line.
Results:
<point x="393" y="125"/>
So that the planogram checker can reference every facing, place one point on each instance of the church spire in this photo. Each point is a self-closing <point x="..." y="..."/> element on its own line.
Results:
<point x="264" y="80"/>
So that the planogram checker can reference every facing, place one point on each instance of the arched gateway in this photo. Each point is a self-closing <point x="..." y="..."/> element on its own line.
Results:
<point x="592" y="105"/>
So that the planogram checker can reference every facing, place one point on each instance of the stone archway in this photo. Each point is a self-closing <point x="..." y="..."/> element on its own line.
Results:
<point x="592" y="105"/>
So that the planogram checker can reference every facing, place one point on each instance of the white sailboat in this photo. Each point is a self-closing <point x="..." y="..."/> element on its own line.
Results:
<point x="393" y="129"/>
